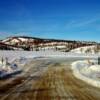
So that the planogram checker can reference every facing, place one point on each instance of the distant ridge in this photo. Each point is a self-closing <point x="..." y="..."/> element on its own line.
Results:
<point x="24" y="37"/>
<point x="35" y="43"/>
<point x="29" y="37"/>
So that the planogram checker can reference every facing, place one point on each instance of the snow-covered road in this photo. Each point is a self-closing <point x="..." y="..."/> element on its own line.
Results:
<point x="48" y="79"/>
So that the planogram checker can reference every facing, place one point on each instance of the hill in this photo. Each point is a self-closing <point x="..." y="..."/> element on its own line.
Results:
<point x="34" y="43"/>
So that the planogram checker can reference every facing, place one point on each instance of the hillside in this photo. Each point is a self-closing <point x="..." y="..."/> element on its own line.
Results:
<point x="34" y="43"/>
<point x="95" y="49"/>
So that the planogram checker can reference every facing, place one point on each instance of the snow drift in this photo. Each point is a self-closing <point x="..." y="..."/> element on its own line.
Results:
<point x="87" y="71"/>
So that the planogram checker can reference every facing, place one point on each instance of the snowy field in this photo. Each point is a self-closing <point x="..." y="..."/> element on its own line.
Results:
<point x="88" y="71"/>
<point x="22" y="57"/>
<point x="12" y="55"/>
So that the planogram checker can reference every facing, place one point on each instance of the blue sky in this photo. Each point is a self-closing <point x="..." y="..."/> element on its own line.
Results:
<point x="61" y="19"/>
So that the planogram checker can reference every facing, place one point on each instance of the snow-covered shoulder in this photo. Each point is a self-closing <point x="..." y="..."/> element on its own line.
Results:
<point x="88" y="71"/>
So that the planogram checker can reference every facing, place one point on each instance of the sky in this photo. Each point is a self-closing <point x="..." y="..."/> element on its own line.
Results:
<point x="58" y="19"/>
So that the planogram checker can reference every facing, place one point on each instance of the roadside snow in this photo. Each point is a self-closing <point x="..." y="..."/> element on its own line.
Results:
<point x="88" y="72"/>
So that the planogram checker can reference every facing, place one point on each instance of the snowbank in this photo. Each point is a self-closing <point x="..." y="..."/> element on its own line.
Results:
<point x="9" y="70"/>
<point x="83" y="70"/>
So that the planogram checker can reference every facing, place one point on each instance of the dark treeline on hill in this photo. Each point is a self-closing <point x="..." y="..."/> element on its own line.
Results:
<point x="36" y="44"/>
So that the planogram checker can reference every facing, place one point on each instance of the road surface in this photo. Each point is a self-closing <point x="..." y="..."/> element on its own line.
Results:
<point x="47" y="79"/>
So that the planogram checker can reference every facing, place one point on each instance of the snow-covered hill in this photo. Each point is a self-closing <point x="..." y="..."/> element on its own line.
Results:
<point x="87" y="49"/>
<point x="33" y="43"/>
<point x="20" y="39"/>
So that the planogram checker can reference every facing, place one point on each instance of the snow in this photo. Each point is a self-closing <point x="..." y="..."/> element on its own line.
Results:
<point x="13" y="55"/>
<point x="87" y="71"/>
<point x="15" y="40"/>
<point x="5" y="40"/>
<point x="22" y="57"/>
<point x="7" y="69"/>
<point x="83" y="50"/>
<point x="95" y="68"/>
<point x="63" y="46"/>
<point x="23" y="39"/>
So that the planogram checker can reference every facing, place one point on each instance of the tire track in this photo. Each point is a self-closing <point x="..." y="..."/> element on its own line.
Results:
<point x="28" y="76"/>
<point x="56" y="83"/>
